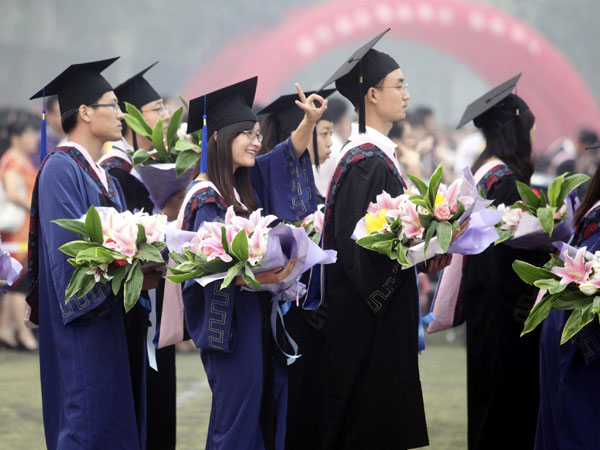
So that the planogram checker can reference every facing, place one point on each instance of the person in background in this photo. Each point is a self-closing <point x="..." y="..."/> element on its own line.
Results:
<point x="17" y="177"/>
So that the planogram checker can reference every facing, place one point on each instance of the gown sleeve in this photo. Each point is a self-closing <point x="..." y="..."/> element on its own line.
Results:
<point x="283" y="184"/>
<point x="208" y="310"/>
<point x="135" y="193"/>
<point x="373" y="276"/>
<point x="61" y="196"/>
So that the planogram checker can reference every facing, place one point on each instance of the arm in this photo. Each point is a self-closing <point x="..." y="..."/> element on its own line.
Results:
<point x="62" y="195"/>
<point x="303" y="134"/>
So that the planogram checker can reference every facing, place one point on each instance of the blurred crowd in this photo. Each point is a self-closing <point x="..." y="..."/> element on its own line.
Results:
<point x="422" y="145"/>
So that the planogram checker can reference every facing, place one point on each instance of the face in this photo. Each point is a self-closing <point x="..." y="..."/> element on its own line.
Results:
<point x="156" y="110"/>
<point x="324" y="130"/>
<point x="390" y="97"/>
<point x="27" y="141"/>
<point x="532" y="133"/>
<point x="105" y="121"/>
<point x="245" y="147"/>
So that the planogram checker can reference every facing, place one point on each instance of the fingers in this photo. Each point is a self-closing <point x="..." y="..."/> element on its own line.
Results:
<point x="300" y="94"/>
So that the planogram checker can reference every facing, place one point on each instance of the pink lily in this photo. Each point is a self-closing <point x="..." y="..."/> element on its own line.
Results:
<point x="576" y="270"/>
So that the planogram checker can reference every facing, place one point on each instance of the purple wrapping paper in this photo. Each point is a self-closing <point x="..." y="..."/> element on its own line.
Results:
<point x="162" y="182"/>
<point x="10" y="268"/>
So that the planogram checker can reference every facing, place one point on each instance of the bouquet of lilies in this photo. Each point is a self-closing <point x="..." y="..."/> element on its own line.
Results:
<point x="420" y="223"/>
<point x="167" y="168"/>
<point x="568" y="282"/>
<point x="113" y="248"/>
<point x="538" y="218"/>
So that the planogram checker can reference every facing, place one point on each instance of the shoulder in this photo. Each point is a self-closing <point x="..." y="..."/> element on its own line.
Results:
<point x="59" y="163"/>
<point x="496" y="177"/>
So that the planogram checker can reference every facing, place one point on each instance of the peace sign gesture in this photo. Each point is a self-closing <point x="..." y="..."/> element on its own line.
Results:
<point x="311" y="112"/>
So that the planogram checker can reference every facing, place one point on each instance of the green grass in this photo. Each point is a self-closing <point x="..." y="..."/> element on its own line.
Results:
<point x="442" y="375"/>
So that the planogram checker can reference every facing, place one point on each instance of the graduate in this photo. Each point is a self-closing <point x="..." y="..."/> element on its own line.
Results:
<point x="154" y="391"/>
<point x="502" y="367"/>
<point x="373" y="391"/>
<point x="569" y="414"/>
<point x="231" y="327"/>
<point x="283" y="116"/>
<point x="87" y="395"/>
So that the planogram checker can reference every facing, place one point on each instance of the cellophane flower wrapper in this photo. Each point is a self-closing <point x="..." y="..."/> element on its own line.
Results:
<point x="477" y="237"/>
<point x="570" y="281"/>
<point x="162" y="181"/>
<point x="114" y="247"/>
<point x="10" y="268"/>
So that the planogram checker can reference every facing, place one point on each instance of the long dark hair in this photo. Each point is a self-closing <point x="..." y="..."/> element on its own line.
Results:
<point x="592" y="195"/>
<point x="220" y="168"/>
<point x="507" y="131"/>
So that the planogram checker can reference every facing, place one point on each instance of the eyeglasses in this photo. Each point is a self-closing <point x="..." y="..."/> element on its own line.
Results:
<point x="162" y="109"/>
<point x="402" y="87"/>
<point x="114" y="106"/>
<point x="252" y="135"/>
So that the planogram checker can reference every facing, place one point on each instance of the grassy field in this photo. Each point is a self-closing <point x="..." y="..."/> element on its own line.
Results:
<point x="443" y="370"/>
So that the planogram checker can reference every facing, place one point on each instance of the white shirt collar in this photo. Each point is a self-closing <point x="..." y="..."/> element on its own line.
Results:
<point x="378" y="137"/>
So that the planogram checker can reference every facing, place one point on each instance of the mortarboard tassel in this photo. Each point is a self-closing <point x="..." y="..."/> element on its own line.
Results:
<point x="204" y="151"/>
<point x="43" y="128"/>
<point x="362" y="127"/>
<point x="315" y="147"/>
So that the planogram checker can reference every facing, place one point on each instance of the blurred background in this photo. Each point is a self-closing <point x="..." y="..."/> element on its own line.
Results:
<point x="451" y="52"/>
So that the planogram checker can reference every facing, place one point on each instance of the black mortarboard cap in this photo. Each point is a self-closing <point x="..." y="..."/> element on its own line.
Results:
<point x="363" y="70"/>
<point x="79" y="84"/>
<point x="136" y="90"/>
<point x="593" y="146"/>
<point x="229" y="105"/>
<point x="287" y="112"/>
<point x="218" y="109"/>
<point x="488" y="100"/>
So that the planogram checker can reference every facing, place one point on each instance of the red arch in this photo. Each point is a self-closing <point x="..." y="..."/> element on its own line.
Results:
<point x="491" y="42"/>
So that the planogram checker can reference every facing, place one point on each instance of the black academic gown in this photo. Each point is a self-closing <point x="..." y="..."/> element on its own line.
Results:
<point x="502" y="368"/>
<point x="160" y="402"/>
<point x="374" y="398"/>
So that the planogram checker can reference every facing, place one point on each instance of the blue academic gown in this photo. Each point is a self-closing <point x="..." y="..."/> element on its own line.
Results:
<point x="228" y="325"/>
<point x="569" y="415"/>
<point x="87" y="397"/>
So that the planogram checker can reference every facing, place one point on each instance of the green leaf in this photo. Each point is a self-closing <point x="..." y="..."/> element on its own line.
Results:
<point x="158" y="144"/>
<point x="140" y="157"/>
<point x="147" y="252"/>
<point x="95" y="255"/>
<point x="547" y="284"/>
<point x="135" y="124"/>
<point x="179" y="258"/>
<point x="76" y="226"/>
<point x="504" y="235"/>
<point x="185" y="160"/>
<point x="232" y="273"/>
<point x="181" y="278"/>
<point x="402" y="251"/>
<point x="554" y="190"/>
<point x="419" y="201"/>
<point x="570" y="183"/>
<point x="578" y="319"/>
<point x="182" y="145"/>
<point x="528" y="196"/>
<point x="159" y="245"/>
<point x="460" y="209"/>
<point x="538" y="313"/>
<point x="185" y="104"/>
<point x="224" y="242"/>
<point x="369" y="241"/>
<point x="558" y="288"/>
<point x="596" y="305"/>
<point x="425" y="220"/>
<point x="88" y="284"/>
<point x="174" y="124"/>
<point x="434" y="184"/>
<point x="143" y="128"/>
<point x="141" y="235"/>
<point x="530" y="273"/>
<point x="420" y="184"/>
<point x="431" y="229"/>
<point x="133" y="286"/>
<point x="543" y="199"/>
<point x="77" y="281"/>
<point x="93" y="225"/>
<point x="118" y="278"/>
<point x="444" y="235"/>
<point x="546" y="218"/>
<point x="74" y="247"/>
<point x="249" y="279"/>
<point x="217" y="266"/>
<point x="239" y="245"/>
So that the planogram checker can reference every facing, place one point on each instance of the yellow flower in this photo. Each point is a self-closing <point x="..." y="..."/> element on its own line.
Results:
<point x="439" y="199"/>
<point x="375" y="223"/>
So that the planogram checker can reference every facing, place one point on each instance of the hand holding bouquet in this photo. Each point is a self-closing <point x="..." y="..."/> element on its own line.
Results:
<point x="113" y="247"/>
